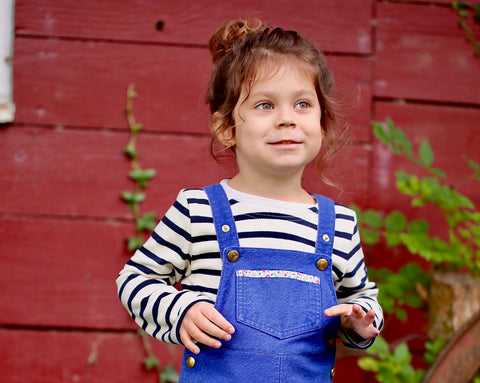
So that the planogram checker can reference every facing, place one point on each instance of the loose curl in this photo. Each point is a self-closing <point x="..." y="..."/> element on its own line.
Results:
<point x="238" y="49"/>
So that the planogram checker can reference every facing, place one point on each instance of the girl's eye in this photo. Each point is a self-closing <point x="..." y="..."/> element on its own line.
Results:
<point x="302" y="105"/>
<point x="264" y="106"/>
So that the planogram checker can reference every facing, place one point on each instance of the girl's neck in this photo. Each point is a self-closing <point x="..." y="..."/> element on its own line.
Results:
<point x="288" y="189"/>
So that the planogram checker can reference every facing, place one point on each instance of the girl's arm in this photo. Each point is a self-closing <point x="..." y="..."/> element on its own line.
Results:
<point x="362" y="316"/>
<point x="146" y="285"/>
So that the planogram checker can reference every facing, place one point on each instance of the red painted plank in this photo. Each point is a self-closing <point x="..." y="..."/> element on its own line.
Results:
<point x="61" y="273"/>
<point x="84" y="84"/>
<point x="59" y="357"/>
<point x="415" y="18"/>
<point x="353" y="92"/>
<point x="337" y="25"/>
<point x="430" y="2"/>
<point x="422" y="54"/>
<point x="346" y="368"/>
<point x="81" y="173"/>
<point x="453" y="133"/>
<point x="349" y="173"/>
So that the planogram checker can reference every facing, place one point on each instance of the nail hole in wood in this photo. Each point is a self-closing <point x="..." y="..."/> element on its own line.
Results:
<point x="160" y="25"/>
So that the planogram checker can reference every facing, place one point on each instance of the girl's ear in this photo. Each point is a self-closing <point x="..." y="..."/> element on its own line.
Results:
<point x="222" y="130"/>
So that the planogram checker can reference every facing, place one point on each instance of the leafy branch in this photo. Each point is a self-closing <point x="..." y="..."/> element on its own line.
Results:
<point x="461" y="248"/>
<point x="464" y="10"/>
<point x="144" y="223"/>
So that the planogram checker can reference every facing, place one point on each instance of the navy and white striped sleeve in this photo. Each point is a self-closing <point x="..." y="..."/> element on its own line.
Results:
<point x="350" y="273"/>
<point x="146" y="285"/>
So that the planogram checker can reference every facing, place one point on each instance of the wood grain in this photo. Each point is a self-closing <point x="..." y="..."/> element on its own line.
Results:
<point x="37" y="356"/>
<point x="423" y="55"/>
<point x="61" y="273"/>
<point x="336" y="25"/>
<point x="83" y="84"/>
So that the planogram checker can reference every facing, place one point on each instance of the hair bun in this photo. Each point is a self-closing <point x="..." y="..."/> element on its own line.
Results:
<point x="230" y="33"/>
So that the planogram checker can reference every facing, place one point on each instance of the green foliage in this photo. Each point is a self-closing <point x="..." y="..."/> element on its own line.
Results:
<point x="390" y="366"/>
<point x="144" y="223"/>
<point x="457" y="249"/>
<point x="400" y="289"/>
<point x="433" y="349"/>
<point x="169" y="375"/>
<point x="465" y="11"/>
<point x="460" y="248"/>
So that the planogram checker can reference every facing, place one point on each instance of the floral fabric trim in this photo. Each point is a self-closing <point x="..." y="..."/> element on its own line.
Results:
<point x="278" y="274"/>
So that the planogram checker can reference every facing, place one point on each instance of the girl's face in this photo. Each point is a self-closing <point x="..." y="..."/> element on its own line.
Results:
<point x="277" y="122"/>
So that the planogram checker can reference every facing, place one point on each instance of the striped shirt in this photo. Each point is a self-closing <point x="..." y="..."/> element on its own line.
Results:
<point x="183" y="248"/>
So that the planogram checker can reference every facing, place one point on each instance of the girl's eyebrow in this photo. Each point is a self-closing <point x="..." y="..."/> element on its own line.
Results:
<point x="269" y="94"/>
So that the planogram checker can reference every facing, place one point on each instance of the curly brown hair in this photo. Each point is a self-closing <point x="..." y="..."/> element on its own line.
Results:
<point x="238" y="49"/>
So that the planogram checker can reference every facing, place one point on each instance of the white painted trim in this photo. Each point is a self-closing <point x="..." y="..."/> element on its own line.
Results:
<point x="7" y="108"/>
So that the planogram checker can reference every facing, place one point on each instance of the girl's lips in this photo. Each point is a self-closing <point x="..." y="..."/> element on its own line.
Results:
<point x="285" y="142"/>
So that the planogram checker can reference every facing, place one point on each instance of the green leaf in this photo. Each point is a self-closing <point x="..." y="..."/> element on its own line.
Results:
<point x="130" y="151"/>
<point x="414" y="300"/>
<point x="132" y="198"/>
<point x="379" y="347"/>
<point x="370" y="237"/>
<point x="151" y="362"/>
<point x="425" y="153"/>
<point x="142" y="176"/>
<point x="419" y="226"/>
<point x="134" y="243"/>
<point x="401" y="314"/>
<point x="393" y="239"/>
<point x="401" y="140"/>
<point x="473" y="165"/>
<point x="169" y="375"/>
<point x="395" y="222"/>
<point x="438" y="172"/>
<point x="146" y="222"/>
<point x="380" y="132"/>
<point x="401" y="354"/>
<point x="368" y="364"/>
<point x="372" y="219"/>
<point x="136" y="128"/>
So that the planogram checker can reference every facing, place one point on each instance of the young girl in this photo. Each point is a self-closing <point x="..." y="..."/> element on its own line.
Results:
<point x="270" y="273"/>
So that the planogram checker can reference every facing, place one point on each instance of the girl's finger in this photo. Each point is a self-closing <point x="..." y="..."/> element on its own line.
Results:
<point x="219" y="320"/>
<point x="197" y="335"/>
<point x="188" y="342"/>
<point x="342" y="309"/>
<point x="212" y="329"/>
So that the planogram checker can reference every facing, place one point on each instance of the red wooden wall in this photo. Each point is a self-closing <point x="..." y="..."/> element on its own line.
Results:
<point x="62" y="223"/>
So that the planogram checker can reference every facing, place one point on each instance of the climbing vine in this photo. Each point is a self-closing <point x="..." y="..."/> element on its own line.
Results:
<point x="466" y="11"/>
<point x="144" y="224"/>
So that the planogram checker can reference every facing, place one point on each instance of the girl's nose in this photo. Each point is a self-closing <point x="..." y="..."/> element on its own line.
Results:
<point x="286" y="123"/>
<point x="286" y="120"/>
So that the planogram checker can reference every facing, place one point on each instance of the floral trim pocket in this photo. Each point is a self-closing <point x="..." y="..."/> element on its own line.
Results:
<point x="281" y="303"/>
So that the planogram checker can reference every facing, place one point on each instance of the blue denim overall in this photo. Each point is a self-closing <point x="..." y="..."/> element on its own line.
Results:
<point x="275" y="300"/>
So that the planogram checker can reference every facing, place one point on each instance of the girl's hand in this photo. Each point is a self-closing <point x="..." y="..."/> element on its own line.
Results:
<point x="355" y="318"/>
<point x="203" y="323"/>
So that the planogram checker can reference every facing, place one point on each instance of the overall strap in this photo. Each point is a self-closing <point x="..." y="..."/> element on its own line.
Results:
<point x="326" y="225"/>
<point x="222" y="217"/>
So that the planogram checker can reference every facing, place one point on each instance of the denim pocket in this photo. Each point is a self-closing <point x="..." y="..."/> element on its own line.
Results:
<point x="281" y="303"/>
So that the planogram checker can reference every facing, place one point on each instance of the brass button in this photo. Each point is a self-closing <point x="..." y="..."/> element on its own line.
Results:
<point x="190" y="362"/>
<point x="332" y="372"/>
<point x="225" y="228"/>
<point x="233" y="256"/>
<point x="326" y="238"/>
<point x="322" y="264"/>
